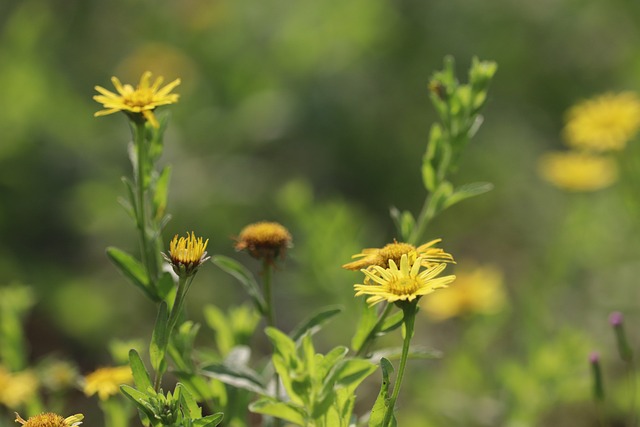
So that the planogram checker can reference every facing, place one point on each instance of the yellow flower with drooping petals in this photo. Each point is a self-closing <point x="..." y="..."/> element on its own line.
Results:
<point x="404" y="283"/>
<point x="50" y="419"/>
<point x="138" y="102"/>
<point x="264" y="240"/>
<point x="578" y="171"/>
<point x="186" y="254"/>
<point x="16" y="388"/>
<point x="603" y="123"/>
<point x="478" y="289"/>
<point x="393" y="252"/>
<point x="106" y="381"/>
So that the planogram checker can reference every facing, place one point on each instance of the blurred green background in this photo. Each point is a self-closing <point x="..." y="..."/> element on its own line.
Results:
<point x="316" y="115"/>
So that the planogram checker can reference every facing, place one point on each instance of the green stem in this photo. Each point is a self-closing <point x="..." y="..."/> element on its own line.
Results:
<point x="270" y="318"/>
<point x="141" y="216"/>
<point x="409" y="310"/>
<point x="372" y="334"/>
<point x="184" y="283"/>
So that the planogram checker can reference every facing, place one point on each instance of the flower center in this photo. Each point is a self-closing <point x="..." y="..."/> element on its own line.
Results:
<point x="394" y="251"/>
<point x="403" y="286"/>
<point x="46" y="420"/>
<point x="139" y="98"/>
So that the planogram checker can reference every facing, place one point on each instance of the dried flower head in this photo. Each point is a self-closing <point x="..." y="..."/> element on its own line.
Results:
<point x="186" y="254"/>
<point x="50" y="419"/>
<point x="405" y="283"/>
<point x="264" y="240"/>
<point x="577" y="171"/>
<point x="603" y="123"/>
<point x="106" y="381"/>
<point x="140" y="102"/>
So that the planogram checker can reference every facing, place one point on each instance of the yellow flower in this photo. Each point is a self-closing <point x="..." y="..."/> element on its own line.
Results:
<point x="603" y="123"/>
<point x="477" y="290"/>
<point x="576" y="171"/>
<point x="16" y="388"/>
<point x="140" y="102"/>
<point x="106" y="381"/>
<point x="50" y="419"/>
<point x="402" y="284"/>
<point x="186" y="254"/>
<point x="264" y="240"/>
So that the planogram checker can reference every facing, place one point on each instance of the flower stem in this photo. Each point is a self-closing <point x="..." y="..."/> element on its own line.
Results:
<point x="270" y="319"/>
<point x="409" y="310"/>
<point x="141" y="216"/>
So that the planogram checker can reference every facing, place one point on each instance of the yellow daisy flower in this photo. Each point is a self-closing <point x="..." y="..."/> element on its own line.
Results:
<point x="106" y="381"/>
<point x="394" y="251"/>
<point x="577" y="171"/>
<point x="406" y="283"/>
<point x="140" y="102"/>
<point x="186" y="254"/>
<point x="16" y="388"/>
<point x="264" y="240"/>
<point x="478" y="289"/>
<point x="50" y="419"/>
<point x="606" y="122"/>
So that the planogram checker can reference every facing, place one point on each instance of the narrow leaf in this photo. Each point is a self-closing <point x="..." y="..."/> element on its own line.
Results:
<point x="275" y="408"/>
<point x="140" y="375"/>
<point x="314" y="323"/>
<point x="132" y="269"/>
<point x="236" y="376"/>
<point x="366" y="323"/>
<point x="392" y="322"/>
<point x="159" y="337"/>
<point x="209" y="421"/>
<point x="380" y="406"/>
<point x="467" y="191"/>
<point x="189" y="402"/>
<point x="140" y="399"/>
<point x="244" y="276"/>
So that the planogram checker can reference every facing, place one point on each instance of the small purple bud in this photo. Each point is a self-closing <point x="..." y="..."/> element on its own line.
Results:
<point x="594" y="357"/>
<point x="616" y="318"/>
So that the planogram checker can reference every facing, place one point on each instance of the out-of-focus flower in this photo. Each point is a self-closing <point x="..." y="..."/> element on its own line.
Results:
<point x="186" y="254"/>
<point x="264" y="240"/>
<point x="58" y="375"/>
<point x="140" y="102"/>
<point x="406" y="283"/>
<point x="16" y="388"/>
<point x="50" y="419"/>
<point x="577" y="171"/>
<point x="477" y="290"/>
<point x="394" y="251"/>
<point x="604" y="123"/>
<point x="106" y="381"/>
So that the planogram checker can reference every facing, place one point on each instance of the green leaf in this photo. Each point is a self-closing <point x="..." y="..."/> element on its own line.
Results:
<point x="380" y="406"/>
<point x="159" y="337"/>
<point x="244" y="276"/>
<point x="350" y="373"/>
<point x="217" y="321"/>
<point x="140" y="375"/>
<point x="367" y="320"/>
<point x="282" y="343"/>
<point x="415" y="352"/>
<point x="314" y="323"/>
<point x="160" y="194"/>
<point x="284" y="410"/>
<point x="132" y="269"/>
<point x="140" y="399"/>
<point x="209" y="421"/>
<point x="467" y="191"/>
<point x="237" y="376"/>
<point x="188" y="402"/>
<point x="165" y="285"/>
<point x="392" y="322"/>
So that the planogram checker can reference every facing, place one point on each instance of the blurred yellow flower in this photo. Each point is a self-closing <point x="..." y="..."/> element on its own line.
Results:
<point x="50" y="419"/>
<point x="139" y="102"/>
<point x="402" y="284"/>
<point x="186" y="254"/>
<point x="393" y="252"/>
<point x="16" y="388"/>
<point x="106" y="381"/>
<point x="264" y="240"/>
<point x="606" y="122"/>
<point x="478" y="290"/>
<point x="58" y="375"/>
<point x="577" y="171"/>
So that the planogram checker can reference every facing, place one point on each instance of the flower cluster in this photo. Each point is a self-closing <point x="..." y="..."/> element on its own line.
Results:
<point x="593" y="127"/>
